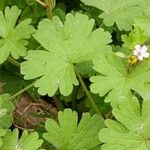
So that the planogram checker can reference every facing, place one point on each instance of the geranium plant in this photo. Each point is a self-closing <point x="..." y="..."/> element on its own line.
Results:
<point x="74" y="75"/>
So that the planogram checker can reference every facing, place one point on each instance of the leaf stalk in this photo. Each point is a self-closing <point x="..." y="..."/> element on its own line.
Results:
<point x="13" y="61"/>
<point x="42" y="3"/>
<point x="50" y="4"/>
<point x="22" y="91"/>
<point x="91" y="100"/>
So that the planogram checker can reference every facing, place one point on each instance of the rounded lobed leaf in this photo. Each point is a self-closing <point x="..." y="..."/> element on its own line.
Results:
<point x="132" y="129"/>
<point x="6" y="109"/>
<point x="119" y="12"/>
<point x="65" y="45"/>
<point x="113" y="72"/>
<point x="27" y="141"/>
<point x="68" y="134"/>
<point x="14" y="37"/>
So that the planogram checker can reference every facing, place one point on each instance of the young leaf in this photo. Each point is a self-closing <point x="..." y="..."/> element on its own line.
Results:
<point x="115" y="79"/>
<point x="6" y="109"/>
<point x="11" y="141"/>
<point x="68" y="135"/>
<point x="13" y="37"/>
<point x="132" y="130"/>
<point x="68" y="44"/>
<point x="121" y="12"/>
<point x="135" y="36"/>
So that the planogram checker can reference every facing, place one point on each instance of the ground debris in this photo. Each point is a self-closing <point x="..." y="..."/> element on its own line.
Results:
<point x="30" y="113"/>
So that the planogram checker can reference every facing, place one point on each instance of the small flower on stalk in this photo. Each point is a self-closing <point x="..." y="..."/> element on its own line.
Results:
<point x="141" y="52"/>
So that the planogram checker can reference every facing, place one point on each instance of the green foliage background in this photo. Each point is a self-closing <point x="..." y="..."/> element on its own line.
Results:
<point x="76" y="56"/>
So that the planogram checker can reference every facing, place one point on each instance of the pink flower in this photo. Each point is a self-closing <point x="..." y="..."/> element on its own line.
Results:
<point x="141" y="52"/>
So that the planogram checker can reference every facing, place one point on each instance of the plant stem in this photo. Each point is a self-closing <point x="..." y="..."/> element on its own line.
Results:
<point x="88" y="94"/>
<point x="101" y="25"/>
<point x="49" y="13"/>
<point x="42" y="3"/>
<point x="74" y="94"/>
<point x="22" y="91"/>
<point x="50" y="4"/>
<point x="58" y="103"/>
<point x="14" y="62"/>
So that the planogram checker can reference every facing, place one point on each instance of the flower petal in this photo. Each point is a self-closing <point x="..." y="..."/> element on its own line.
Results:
<point x="137" y="47"/>
<point x="135" y="52"/>
<point x="140" y="57"/>
<point x="144" y="48"/>
<point x="146" y="54"/>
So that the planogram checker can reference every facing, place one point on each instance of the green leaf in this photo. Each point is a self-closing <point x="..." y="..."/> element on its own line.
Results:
<point x="69" y="135"/>
<point x="30" y="2"/>
<point x="13" y="37"/>
<point x="99" y="101"/>
<point x="2" y="4"/>
<point x="2" y="133"/>
<point x="117" y="81"/>
<point x="144" y="23"/>
<point x="136" y="36"/>
<point x="86" y="68"/>
<point x="11" y="141"/>
<point x="6" y="109"/>
<point x="65" y="46"/>
<point x="20" y="3"/>
<point x="131" y="132"/>
<point x="11" y="83"/>
<point x="121" y="12"/>
<point x="60" y="11"/>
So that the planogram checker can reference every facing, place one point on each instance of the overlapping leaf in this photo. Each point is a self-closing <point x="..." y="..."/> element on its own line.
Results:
<point x="6" y="109"/>
<point x="13" y="38"/>
<point x="121" y="12"/>
<point x="11" y="141"/>
<point x="115" y="78"/>
<point x="143" y="22"/>
<point x="69" y="135"/>
<point x="132" y="130"/>
<point x="65" y="45"/>
<point x="136" y="36"/>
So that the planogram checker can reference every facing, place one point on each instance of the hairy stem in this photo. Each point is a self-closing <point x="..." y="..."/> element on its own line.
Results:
<point x="40" y="2"/>
<point x="91" y="100"/>
<point x="22" y="91"/>
<point x="50" y="4"/>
